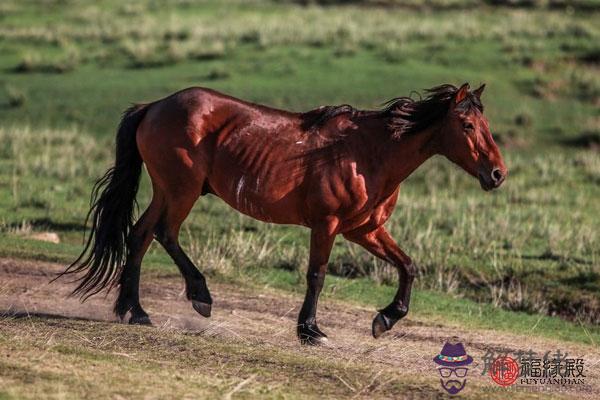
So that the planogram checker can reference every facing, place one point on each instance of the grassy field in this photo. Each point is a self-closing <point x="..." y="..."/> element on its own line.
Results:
<point x="523" y="261"/>
<point x="67" y="73"/>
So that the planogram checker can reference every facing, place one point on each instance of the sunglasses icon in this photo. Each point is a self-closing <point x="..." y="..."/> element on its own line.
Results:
<point x="447" y="372"/>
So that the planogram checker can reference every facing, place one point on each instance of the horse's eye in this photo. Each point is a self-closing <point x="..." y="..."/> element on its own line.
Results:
<point x="467" y="126"/>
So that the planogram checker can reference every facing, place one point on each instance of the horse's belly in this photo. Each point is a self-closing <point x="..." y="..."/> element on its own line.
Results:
<point x="259" y="200"/>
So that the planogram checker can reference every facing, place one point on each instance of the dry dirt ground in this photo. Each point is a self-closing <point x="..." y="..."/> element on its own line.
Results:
<point x="52" y="346"/>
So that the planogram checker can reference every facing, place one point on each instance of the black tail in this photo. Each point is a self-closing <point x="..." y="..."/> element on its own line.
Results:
<point x="113" y="206"/>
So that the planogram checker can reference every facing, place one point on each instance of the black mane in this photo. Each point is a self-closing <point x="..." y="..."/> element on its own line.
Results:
<point x="410" y="116"/>
<point x="407" y="115"/>
<point x="318" y="117"/>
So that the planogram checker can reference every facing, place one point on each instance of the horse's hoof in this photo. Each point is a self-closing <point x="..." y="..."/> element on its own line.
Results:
<point x="314" y="341"/>
<point x="380" y="325"/>
<point x="311" y="335"/>
<point x="202" y="308"/>
<point x="140" y="320"/>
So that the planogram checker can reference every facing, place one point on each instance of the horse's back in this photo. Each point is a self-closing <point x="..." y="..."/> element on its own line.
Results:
<point x="196" y="112"/>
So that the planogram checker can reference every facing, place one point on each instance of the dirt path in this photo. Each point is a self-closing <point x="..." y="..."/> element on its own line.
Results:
<point x="243" y="316"/>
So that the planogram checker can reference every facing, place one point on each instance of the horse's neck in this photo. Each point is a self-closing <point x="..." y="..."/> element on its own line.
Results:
<point x="402" y="156"/>
<point x="390" y="158"/>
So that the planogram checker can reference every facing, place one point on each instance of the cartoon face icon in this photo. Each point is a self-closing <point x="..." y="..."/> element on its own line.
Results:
<point x="452" y="362"/>
<point x="453" y="380"/>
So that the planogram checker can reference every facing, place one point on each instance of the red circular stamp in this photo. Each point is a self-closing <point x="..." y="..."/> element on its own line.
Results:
<point x="504" y="371"/>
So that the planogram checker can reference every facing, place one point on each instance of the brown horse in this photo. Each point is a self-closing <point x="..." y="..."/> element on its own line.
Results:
<point x="335" y="170"/>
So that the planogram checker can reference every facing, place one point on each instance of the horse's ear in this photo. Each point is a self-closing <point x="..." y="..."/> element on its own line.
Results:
<point x="461" y="93"/>
<point x="477" y="92"/>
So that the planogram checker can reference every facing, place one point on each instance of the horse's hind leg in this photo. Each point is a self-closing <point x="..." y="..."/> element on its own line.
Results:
<point x="129" y="281"/>
<point x="167" y="233"/>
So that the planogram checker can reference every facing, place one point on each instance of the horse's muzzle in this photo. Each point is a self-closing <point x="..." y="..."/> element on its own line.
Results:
<point x="491" y="180"/>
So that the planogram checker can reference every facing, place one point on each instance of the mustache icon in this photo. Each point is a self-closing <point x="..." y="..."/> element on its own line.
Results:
<point x="453" y="386"/>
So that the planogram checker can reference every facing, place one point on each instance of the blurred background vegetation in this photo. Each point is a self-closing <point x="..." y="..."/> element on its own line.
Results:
<point x="68" y="69"/>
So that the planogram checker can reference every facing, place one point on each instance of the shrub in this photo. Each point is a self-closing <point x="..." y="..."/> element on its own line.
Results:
<point x="16" y="97"/>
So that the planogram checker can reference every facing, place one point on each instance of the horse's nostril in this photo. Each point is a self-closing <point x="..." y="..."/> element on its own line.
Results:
<point x="497" y="175"/>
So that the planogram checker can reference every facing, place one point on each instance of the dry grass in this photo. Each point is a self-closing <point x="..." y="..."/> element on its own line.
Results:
<point x="93" y="360"/>
<point x="238" y="250"/>
<point x="36" y="62"/>
<point x="58" y="359"/>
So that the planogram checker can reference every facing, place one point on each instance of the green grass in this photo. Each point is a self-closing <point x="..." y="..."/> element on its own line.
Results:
<point x="84" y="63"/>
<point x="67" y="72"/>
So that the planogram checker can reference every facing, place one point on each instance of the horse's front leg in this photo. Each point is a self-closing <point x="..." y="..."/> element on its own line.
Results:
<point x="321" y="242"/>
<point x="380" y="243"/>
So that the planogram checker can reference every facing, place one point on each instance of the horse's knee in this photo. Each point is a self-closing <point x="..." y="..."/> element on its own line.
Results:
<point x="410" y="270"/>
<point x="406" y="268"/>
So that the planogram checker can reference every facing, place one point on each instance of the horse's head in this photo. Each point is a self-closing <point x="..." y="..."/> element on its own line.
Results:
<point x="466" y="140"/>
